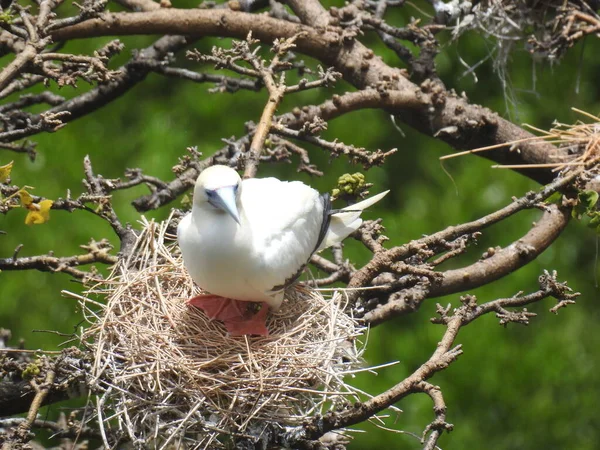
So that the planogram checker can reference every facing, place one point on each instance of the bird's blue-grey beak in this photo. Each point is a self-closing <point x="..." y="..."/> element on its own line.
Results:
<point x="225" y="198"/>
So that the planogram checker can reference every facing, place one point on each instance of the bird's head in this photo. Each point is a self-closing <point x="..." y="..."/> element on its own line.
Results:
<point x="219" y="187"/>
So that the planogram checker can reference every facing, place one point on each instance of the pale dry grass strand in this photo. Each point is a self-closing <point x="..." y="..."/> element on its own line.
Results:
<point x="582" y="140"/>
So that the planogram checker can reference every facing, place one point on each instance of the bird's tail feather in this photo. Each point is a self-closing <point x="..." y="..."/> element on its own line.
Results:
<point x="364" y="204"/>
<point x="347" y="220"/>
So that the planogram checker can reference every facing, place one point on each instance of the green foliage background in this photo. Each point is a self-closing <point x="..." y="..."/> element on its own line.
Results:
<point x="514" y="388"/>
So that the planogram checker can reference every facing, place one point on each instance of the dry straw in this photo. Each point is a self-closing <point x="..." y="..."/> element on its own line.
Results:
<point x="581" y="139"/>
<point x="166" y="375"/>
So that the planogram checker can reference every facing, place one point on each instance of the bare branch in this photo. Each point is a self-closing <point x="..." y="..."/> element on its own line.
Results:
<point x="96" y="187"/>
<point x="501" y="262"/>
<point x="70" y="369"/>
<point x="276" y="92"/>
<point x="33" y="99"/>
<point x="444" y="355"/>
<point x="435" y="112"/>
<point x="357" y="155"/>
<point x="223" y="83"/>
<point x="383" y="260"/>
<point x="549" y="287"/>
<point x="60" y="430"/>
<point x="41" y="392"/>
<point x="20" y="84"/>
<point x="24" y="147"/>
<point x="97" y="252"/>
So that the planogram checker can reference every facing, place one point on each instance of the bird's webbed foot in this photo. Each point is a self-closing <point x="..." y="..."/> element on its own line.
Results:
<point x="239" y="317"/>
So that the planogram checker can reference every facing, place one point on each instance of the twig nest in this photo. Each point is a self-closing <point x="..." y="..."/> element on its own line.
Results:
<point x="172" y="376"/>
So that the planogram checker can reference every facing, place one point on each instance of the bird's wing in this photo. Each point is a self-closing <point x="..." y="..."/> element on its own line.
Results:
<point x="286" y="221"/>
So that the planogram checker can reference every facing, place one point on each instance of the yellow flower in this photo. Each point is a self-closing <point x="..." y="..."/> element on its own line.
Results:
<point x="5" y="172"/>
<point x="26" y="199"/>
<point x="38" y="212"/>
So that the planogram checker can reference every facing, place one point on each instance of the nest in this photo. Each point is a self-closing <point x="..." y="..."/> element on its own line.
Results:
<point x="165" y="374"/>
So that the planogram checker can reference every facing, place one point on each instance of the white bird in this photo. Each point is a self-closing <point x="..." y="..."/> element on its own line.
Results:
<point x="246" y="241"/>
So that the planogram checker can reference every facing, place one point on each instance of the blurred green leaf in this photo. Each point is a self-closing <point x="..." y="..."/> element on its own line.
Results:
<point x="586" y="201"/>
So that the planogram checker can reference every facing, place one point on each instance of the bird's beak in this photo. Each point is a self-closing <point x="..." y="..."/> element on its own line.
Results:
<point x="225" y="199"/>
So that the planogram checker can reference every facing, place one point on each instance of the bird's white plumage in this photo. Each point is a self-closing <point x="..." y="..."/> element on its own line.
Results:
<point x="279" y="229"/>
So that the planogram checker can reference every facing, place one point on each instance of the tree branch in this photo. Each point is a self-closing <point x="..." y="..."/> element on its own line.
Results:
<point x="41" y="392"/>
<point x="506" y="260"/>
<point x="16" y="394"/>
<point x="442" y="357"/>
<point x="98" y="252"/>
<point x="497" y="265"/>
<point x="383" y="260"/>
<point x="436" y="112"/>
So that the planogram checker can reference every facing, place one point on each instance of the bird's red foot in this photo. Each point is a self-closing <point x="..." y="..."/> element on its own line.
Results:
<point x="238" y="317"/>
<point x="220" y="308"/>
<point x="251" y="323"/>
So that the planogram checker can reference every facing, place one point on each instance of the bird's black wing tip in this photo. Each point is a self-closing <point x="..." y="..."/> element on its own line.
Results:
<point x="327" y="211"/>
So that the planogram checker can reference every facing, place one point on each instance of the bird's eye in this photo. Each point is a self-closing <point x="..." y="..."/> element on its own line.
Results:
<point x="210" y="193"/>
